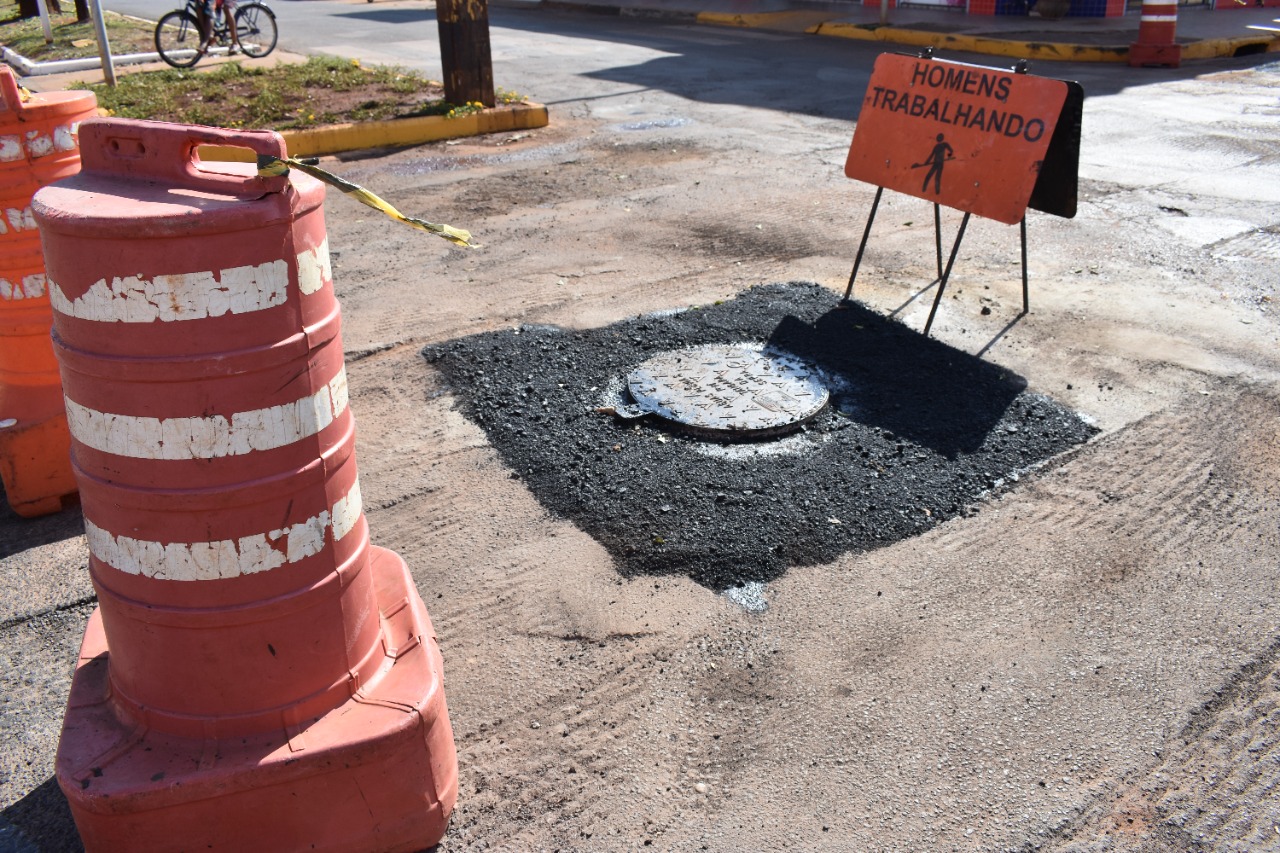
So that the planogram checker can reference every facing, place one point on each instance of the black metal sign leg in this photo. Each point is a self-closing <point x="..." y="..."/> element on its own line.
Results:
<point x="946" y="274"/>
<point x="1026" y="302"/>
<point x="937" y="235"/>
<point x="866" y="233"/>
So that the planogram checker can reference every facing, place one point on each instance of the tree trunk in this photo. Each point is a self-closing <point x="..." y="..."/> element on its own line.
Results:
<point x="464" y="51"/>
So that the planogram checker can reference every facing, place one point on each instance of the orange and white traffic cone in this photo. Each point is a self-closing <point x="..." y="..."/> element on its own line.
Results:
<point x="37" y="147"/>
<point x="257" y="676"/>
<point x="1157" y="30"/>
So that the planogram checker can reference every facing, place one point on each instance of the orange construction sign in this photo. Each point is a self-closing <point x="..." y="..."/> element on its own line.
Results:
<point x="966" y="136"/>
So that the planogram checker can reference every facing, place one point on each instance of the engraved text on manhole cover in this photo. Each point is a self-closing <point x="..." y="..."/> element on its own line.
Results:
<point x="729" y="389"/>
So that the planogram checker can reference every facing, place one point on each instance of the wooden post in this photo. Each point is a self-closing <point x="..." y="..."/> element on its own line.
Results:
<point x="464" y="51"/>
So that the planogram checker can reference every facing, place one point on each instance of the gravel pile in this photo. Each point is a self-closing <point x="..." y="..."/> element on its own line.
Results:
<point x="917" y="432"/>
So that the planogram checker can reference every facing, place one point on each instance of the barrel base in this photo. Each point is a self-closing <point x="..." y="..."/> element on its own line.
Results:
<point x="377" y="773"/>
<point x="35" y="464"/>
<point x="1155" y="55"/>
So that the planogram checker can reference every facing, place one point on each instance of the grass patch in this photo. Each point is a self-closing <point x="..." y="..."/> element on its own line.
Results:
<point x="72" y="40"/>
<point x="323" y="90"/>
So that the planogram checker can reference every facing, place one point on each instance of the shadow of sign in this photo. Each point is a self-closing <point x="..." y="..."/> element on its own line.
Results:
<point x="924" y="391"/>
<point x="917" y="433"/>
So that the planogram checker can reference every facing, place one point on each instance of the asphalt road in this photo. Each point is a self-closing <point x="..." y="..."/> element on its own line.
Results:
<point x="1088" y="661"/>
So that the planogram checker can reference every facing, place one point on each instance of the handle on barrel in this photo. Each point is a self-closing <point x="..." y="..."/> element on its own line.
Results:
<point x="9" y="90"/>
<point x="163" y="152"/>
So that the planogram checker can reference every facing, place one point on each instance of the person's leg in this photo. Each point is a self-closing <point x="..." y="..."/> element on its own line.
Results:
<point x="204" y="15"/>
<point x="228" y="11"/>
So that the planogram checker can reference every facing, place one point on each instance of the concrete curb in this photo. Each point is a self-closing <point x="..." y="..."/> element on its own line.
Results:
<point x="341" y="138"/>
<point x="818" y="22"/>
<point x="1211" y="48"/>
<point x="1205" y="49"/>
<point x="979" y="44"/>
<point x="27" y="68"/>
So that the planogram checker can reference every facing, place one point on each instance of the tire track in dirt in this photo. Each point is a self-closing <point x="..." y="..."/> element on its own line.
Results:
<point x="1216" y="784"/>
<point x="479" y="540"/>
<point x="575" y="755"/>
<point x="1216" y="790"/>
<point x="1171" y="501"/>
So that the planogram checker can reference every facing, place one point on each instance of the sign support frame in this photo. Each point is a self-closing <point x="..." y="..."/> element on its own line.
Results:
<point x="1054" y="190"/>
<point x="943" y="274"/>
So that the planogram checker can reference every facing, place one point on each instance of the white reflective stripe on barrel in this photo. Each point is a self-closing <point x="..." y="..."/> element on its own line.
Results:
<point x="225" y="558"/>
<point x="38" y="143"/>
<point x="28" y="287"/>
<point x="17" y="219"/>
<point x="314" y="269"/>
<point x="181" y="296"/>
<point x="195" y="295"/>
<point x="213" y="436"/>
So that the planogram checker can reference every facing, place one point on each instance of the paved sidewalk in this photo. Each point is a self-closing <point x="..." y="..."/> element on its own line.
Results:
<point x="1203" y="33"/>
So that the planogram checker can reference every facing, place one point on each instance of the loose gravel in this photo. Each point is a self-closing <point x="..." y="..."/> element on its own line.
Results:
<point x="917" y="432"/>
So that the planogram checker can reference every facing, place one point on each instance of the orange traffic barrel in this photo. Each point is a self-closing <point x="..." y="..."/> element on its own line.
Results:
<point x="37" y="147"/>
<point x="1157" y="36"/>
<point x="257" y="675"/>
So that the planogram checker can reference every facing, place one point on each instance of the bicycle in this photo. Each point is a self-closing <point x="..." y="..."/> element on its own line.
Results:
<point x="178" y="32"/>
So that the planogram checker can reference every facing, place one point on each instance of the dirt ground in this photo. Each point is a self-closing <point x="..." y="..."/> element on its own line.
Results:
<point x="1087" y="662"/>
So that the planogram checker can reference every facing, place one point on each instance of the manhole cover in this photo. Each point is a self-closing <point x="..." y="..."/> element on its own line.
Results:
<point x="728" y="390"/>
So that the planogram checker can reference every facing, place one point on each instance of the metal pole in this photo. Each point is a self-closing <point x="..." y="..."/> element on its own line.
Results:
<point x="1026" y="302"/>
<point x="104" y="48"/>
<point x="937" y="235"/>
<point x="884" y="12"/>
<point x="942" y="283"/>
<point x="848" y="291"/>
<point x="44" y="21"/>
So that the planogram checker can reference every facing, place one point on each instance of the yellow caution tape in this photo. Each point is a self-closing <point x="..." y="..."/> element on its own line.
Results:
<point x="271" y="167"/>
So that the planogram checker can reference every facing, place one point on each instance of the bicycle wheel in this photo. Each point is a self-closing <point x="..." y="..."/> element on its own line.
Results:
<point x="177" y="38"/>
<point x="256" y="27"/>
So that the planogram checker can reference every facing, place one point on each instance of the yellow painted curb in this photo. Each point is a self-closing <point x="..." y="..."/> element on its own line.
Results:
<point x="804" y="21"/>
<point x="338" y="138"/>
<point x="1211" y="48"/>
<point x="978" y="44"/>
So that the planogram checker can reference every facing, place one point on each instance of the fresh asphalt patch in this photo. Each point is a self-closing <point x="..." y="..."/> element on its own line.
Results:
<point x="917" y="432"/>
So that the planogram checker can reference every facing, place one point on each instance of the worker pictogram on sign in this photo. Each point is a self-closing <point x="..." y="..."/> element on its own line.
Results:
<point x="985" y="141"/>
<point x="938" y="157"/>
